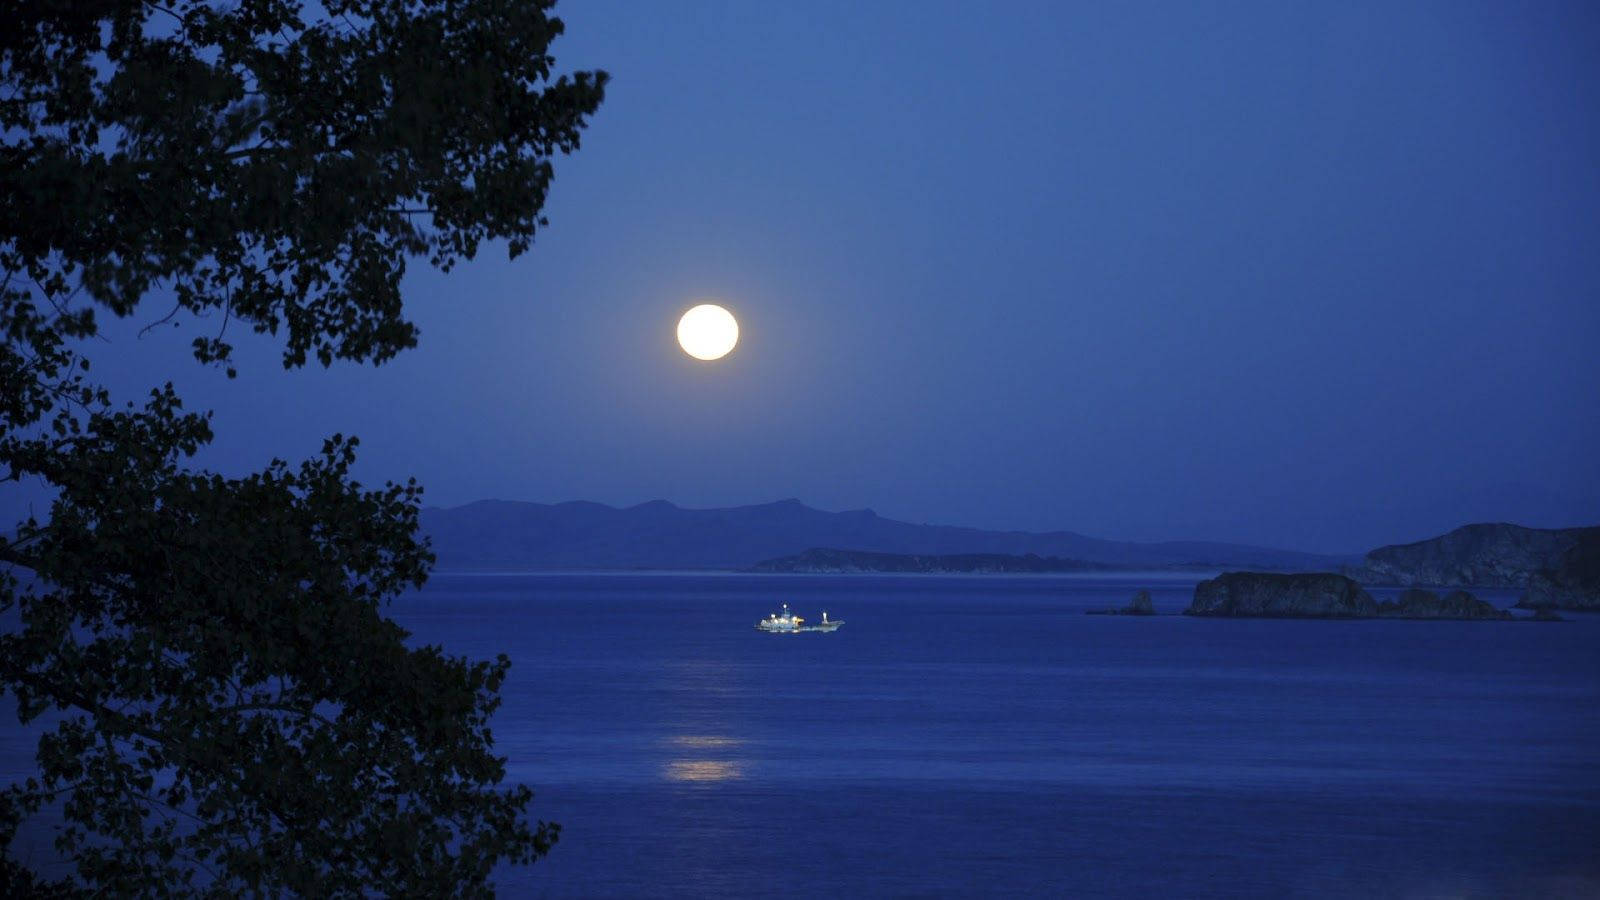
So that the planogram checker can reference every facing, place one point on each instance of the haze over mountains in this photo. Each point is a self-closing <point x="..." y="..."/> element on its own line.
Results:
<point x="501" y="534"/>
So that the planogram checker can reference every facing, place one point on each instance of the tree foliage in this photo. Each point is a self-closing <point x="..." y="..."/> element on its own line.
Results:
<point x="229" y="710"/>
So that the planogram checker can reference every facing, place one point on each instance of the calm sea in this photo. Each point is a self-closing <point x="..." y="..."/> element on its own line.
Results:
<point x="969" y="736"/>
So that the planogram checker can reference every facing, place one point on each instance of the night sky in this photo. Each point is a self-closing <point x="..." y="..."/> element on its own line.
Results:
<point x="1313" y="277"/>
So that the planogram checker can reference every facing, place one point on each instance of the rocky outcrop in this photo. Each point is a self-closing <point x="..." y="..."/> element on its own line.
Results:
<point x="1314" y="595"/>
<point x="1140" y="605"/>
<point x="1572" y="583"/>
<point x="1420" y="604"/>
<point x="823" y="560"/>
<point x="1487" y="555"/>
<point x="1321" y="595"/>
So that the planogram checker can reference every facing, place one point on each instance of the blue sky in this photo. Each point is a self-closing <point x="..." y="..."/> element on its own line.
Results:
<point x="1319" y="277"/>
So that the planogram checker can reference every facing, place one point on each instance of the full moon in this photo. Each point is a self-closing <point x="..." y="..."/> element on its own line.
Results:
<point x="707" y="332"/>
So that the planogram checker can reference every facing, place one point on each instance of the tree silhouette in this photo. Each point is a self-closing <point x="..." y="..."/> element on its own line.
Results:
<point x="232" y="711"/>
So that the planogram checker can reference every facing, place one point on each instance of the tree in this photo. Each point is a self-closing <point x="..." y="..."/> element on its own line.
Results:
<point x="230" y="711"/>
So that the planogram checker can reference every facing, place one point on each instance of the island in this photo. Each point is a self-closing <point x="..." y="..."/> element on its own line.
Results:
<point x="1326" y="595"/>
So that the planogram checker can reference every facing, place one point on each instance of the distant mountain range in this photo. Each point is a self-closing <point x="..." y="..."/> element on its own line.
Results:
<point x="501" y="534"/>
<point x="826" y="560"/>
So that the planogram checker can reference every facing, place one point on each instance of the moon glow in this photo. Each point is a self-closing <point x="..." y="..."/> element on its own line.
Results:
<point x="707" y="332"/>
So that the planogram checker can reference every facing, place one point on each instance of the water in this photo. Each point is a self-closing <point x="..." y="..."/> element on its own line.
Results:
<point x="982" y="736"/>
<point x="969" y="736"/>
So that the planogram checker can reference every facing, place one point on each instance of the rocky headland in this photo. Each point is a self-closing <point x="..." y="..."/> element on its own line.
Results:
<point x="1558" y="567"/>
<point x="1417" y="603"/>
<point x="1325" y="595"/>
<point x="1572" y="583"/>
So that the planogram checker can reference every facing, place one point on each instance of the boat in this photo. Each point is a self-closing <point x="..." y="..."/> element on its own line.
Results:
<point x="828" y="624"/>
<point x="786" y="622"/>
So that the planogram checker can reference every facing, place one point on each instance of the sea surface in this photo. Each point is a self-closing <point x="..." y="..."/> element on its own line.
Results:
<point x="966" y="736"/>
<point x="982" y="736"/>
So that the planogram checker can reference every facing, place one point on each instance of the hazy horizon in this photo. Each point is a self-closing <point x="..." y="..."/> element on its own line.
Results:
<point x="1354" y="552"/>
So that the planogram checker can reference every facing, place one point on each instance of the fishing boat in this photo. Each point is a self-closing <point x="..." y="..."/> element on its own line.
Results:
<point x="786" y="622"/>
